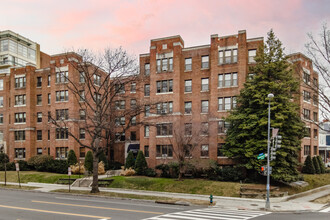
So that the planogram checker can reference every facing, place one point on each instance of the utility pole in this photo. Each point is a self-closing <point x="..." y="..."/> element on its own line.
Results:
<point x="270" y="96"/>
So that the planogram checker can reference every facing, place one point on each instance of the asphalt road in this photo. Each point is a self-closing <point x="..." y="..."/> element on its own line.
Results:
<point x="25" y="205"/>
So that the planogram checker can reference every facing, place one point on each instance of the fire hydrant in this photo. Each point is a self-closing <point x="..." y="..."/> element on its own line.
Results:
<point x="211" y="199"/>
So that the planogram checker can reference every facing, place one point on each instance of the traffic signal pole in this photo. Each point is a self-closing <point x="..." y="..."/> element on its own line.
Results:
<point x="268" y="155"/>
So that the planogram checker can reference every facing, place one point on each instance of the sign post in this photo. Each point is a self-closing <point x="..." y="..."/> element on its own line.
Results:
<point x="17" y="169"/>
<point x="69" y="174"/>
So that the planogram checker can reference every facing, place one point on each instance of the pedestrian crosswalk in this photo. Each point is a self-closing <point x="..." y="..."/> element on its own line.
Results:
<point x="211" y="214"/>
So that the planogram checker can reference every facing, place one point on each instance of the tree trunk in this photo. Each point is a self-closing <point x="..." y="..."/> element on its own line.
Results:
<point x="180" y="170"/>
<point x="95" y="185"/>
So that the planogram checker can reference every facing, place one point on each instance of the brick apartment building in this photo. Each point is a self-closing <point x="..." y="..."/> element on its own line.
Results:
<point x="193" y="87"/>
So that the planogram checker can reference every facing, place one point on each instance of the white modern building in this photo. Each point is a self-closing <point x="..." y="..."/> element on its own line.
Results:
<point x="324" y="142"/>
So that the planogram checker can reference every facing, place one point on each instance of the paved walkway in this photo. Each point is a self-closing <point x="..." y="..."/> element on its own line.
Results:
<point x="290" y="203"/>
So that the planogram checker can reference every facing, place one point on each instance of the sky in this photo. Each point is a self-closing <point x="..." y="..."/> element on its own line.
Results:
<point x="64" y="25"/>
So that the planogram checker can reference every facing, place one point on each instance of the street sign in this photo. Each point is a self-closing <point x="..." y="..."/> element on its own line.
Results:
<point x="274" y="132"/>
<point x="17" y="166"/>
<point x="69" y="171"/>
<point x="261" y="157"/>
<point x="261" y="154"/>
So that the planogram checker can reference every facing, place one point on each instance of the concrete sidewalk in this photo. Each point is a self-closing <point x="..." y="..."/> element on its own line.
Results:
<point x="291" y="203"/>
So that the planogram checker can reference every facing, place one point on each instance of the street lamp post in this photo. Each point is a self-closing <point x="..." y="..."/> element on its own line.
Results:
<point x="270" y="96"/>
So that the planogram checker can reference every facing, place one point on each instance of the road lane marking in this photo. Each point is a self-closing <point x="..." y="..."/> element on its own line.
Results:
<point x="88" y="200"/>
<point x="53" y="212"/>
<point x="97" y="207"/>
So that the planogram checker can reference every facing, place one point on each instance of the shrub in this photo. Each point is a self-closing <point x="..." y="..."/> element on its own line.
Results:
<point x="23" y="165"/>
<point x="58" y="166"/>
<point x="130" y="161"/>
<point x="4" y="158"/>
<point x="100" y="169"/>
<point x="128" y="172"/>
<point x="89" y="161"/>
<point x="322" y="166"/>
<point x="77" y="170"/>
<point x="103" y="158"/>
<point x="316" y="165"/>
<point x="174" y="169"/>
<point x="115" y="165"/>
<point x="232" y="174"/>
<point x="140" y="164"/>
<point x="72" y="159"/>
<point x="41" y="162"/>
<point x="150" y="172"/>
<point x="165" y="170"/>
<point x="308" y="166"/>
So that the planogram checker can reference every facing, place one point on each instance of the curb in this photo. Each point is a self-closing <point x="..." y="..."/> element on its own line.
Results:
<point x="309" y="192"/>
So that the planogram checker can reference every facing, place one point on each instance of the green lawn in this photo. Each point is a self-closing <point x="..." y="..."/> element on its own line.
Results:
<point x="33" y="176"/>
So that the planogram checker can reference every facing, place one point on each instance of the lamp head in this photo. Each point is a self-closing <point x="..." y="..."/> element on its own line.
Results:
<point x="270" y="95"/>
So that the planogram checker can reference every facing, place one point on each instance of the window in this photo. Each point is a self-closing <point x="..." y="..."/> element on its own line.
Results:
<point x="205" y="84"/>
<point x="133" y="121"/>
<point x="252" y="55"/>
<point x="164" y="86"/>
<point x="1" y="118"/>
<point x="48" y="135"/>
<point x="49" y="98"/>
<point x="39" y="135"/>
<point x="19" y="135"/>
<point x="1" y="135"/>
<point x="39" y="117"/>
<point x="62" y="114"/>
<point x="20" y="99"/>
<point x="222" y="127"/>
<point x="164" y="108"/>
<point x="82" y="152"/>
<point x="120" y="121"/>
<point x="307" y="77"/>
<point x="226" y="103"/>
<point x="204" y="128"/>
<point x="120" y="88"/>
<point x="133" y="135"/>
<point x="48" y="80"/>
<point x="82" y="77"/>
<point x="315" y="118"/>
<point x="97" y="80"/>
<point x="120" y="104"/>
<point x="147" y="69"/>
<point x="205" y="62"/>
<point x="204" y="150"/>
<point x="307" y="96"/>
<point x="146" y="150"/>
<point x="147" y="90"/>
<point x="227" y="56"/>
<point x="315" y="100"/>
<point x="97" y="97"/>
<point x="165" y="129"/>
<point x="227" y="80"/>
<point x="133" y="103"/>
<point x="315" y="133"/>
<point x="307" y="150"/>
<point x="61" y="77"/>
<point x="133" y="87"/>
<point x="82" y="133"/>
<point x="188" y="64"/>
<point x="188" y="85"/>
<point x="188" y="129"/>
<point x="164" y="65"/>
<point x="39" y="99"/>
<point x="1" y="84"/>
<point x="19" y="153"/>
<point x="315" y="84"/>
<point x="164" y="151"/>
<point x="62" y="133"/>
<point x="63" y="95"/>
<point x="146" y="131"/>
<point x="20" y="82"/>
<point x="205" y="106"/>
<point x="39" y="151"/>
<point x="120" y="136"/>
<point x="187" y="107"/>
<point x="147" y="110"/>
<point x="315" y="150"/>
<point x="220" y="150"/>
<point x="39" y="81"/>
<point x="61" y="152"/>
<point x="306" y="114"/>
<point x="307" y="132"/>
<point x="82" y="114"/>
<point x="1" y="101"/>
<point x="20" y="117"/>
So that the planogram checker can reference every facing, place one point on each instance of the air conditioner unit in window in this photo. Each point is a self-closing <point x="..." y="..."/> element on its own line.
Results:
<point x="163" y="112"/>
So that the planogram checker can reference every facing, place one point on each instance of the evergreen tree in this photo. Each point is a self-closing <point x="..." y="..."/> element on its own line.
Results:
<point x="247" y="135"/>
<point x="4" y="158"/>
<point x="316" y="165"/>
<point x="72" y="159"/>
<point x="308" y="166"/>
<point x="140" y="164"/>
<point x="104" y="159"/>
<point x="322" y="166"/>
<point x="130" y="161"/>
<point x="89" y="161"/>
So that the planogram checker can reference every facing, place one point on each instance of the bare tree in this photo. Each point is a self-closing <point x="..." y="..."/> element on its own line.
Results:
<point x="318" y="50"/>
<point x="98" y="84"/>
